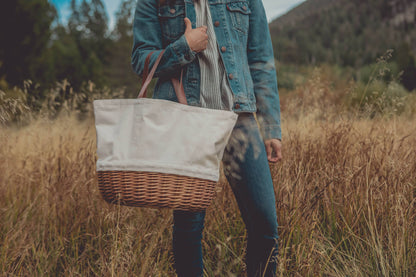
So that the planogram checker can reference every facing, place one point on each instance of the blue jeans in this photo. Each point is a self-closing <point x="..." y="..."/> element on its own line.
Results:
<point x="247" y="170"/>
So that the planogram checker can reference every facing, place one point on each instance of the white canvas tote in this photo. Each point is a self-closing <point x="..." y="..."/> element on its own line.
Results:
<point x="161" y="136"/>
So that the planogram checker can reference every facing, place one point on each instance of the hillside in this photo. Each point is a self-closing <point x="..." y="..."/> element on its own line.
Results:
<point x="349" y="33"/>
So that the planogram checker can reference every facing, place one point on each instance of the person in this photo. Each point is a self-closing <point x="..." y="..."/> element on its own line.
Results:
<point x="224" y="49"/>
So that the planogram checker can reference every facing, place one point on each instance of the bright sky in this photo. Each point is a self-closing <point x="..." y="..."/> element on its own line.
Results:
<point x="273" y="8"/>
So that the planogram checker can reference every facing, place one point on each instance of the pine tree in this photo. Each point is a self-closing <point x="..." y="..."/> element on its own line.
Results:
<point x="25" y="30"/>
<point x="88" y="43"/>
<point x="120" y="71"/>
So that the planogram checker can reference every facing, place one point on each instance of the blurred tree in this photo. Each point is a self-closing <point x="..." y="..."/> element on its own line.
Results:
<point x="346" y="32"/>
<point x="66" y="60"/>
<point x="406" y="62"/>
<point x="120" y="71"/>
<point x="124" y="20"/>
<point x="87" y="44"/>
<point x="25" y="30"/>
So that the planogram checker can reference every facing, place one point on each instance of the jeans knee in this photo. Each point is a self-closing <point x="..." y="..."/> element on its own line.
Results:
<point x="265" y="227"/>
<point x="188" y="222"/>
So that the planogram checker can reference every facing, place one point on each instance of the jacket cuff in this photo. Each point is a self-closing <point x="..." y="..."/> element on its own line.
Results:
<point x="182" y="50"/>
<point x="271" y="132"/>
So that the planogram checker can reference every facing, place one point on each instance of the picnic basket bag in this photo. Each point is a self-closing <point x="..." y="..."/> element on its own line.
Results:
<point x="157" y="153"/>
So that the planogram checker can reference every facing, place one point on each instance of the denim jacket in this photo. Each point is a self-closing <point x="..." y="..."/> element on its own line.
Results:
<point x="243" y="37"/>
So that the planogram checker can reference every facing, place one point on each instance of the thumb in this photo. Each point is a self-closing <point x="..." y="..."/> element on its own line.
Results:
<point x="269" y="150"/>
<point x="188" y="24"/>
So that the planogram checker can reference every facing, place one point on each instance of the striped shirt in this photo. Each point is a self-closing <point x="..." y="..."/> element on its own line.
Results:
<point x="216" y="92"/>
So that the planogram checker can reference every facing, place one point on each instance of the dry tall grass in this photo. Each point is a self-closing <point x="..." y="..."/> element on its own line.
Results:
<point x="346" y="193"/>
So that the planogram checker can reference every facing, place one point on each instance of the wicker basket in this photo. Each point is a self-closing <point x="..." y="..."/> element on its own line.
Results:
<point x="158" y="153"/>
<point x="158" y="190"/>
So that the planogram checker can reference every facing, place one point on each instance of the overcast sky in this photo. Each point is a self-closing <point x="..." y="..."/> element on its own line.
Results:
<point x="273" y="8"/>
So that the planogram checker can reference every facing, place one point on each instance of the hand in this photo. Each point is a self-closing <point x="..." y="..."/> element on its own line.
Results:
<point x="197" y="38"/>
<point x="273" y="149"/>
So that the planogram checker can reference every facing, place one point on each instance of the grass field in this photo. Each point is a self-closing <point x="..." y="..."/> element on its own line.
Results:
<point x="346" y="201"/>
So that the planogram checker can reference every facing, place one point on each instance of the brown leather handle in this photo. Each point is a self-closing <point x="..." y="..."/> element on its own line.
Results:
<point x="180" y="92"/>
<point x="146" y="69"/>
<point x="147" y="78"/>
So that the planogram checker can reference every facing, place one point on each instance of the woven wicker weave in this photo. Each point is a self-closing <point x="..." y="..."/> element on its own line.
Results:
<point x="158" y="190"/>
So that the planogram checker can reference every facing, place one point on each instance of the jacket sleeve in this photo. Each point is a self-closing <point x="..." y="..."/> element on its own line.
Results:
<point x="147" y="37"/>
<point x="263" y="72"/>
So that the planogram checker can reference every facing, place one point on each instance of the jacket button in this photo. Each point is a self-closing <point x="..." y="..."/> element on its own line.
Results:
<point x="223" y="49"/>
<point x="172" y="11"/>
<point x="237" y="106"/>
<point x="216" y="23"/>
<point x="231" y="76"/>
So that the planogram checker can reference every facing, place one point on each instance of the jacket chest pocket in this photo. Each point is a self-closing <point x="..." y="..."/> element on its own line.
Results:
<point x="171" y="20"/>
<point x="239" y="13"/>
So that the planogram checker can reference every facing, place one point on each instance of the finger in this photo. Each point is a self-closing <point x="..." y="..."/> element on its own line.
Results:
<point x="269" y="151"/>
<point x="279" y="156"/>
<point x="202" y="30"/>
<point x="188" y="24"/>
<point x="273" y="159"/>
<point x="277" y="148"/>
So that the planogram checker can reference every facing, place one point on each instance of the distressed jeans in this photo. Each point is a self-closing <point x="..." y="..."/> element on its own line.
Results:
<point x="247" y="170"/>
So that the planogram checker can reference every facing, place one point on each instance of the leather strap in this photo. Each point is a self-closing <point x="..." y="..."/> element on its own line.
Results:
<point x="146" y="69"/>
<point x="178" y="86"/>
<point x="147" y="78"/>
<point x="146" y="81"/>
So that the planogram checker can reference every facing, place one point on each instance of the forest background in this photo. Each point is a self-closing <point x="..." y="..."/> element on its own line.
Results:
<point x="347" y="36"/>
